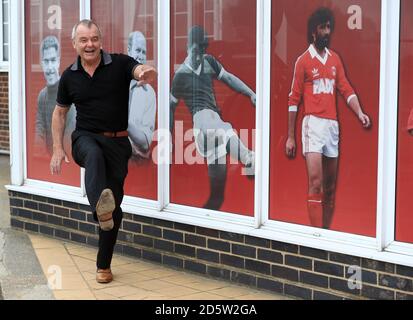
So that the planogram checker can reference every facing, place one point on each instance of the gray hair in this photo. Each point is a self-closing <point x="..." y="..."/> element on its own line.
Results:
<point x="87" y="23"/>
<point x="132" y="36"/>
<point x="49" y="42"/>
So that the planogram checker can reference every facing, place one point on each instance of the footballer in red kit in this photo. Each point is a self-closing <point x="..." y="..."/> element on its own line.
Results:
<point x="318" y="74"/>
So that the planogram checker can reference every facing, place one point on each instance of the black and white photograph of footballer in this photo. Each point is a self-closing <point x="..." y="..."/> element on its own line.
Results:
<point x="214" y="137"/>
<point x="142" y="103"/>
<point x="46" y="101"/>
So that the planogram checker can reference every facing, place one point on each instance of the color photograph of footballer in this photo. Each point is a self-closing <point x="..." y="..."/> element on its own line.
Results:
<point x="214" y="138"/>
<point x="318" y="74"/>
<point x="46" y="101"/>
<point x="142" y="104"/>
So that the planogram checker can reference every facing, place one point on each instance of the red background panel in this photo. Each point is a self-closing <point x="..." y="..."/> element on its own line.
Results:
<point x="404" y="217"/>
<point x="357" y="178"/>
<point x="36" y="13"/>
<point x="233" y="42"/>
<point x="117" y="19"/>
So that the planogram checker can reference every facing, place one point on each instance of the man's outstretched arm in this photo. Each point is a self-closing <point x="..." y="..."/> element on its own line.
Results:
<point x="58" y="129"/>
<point x="238" y="85"/>
<point x="145" y="74"/>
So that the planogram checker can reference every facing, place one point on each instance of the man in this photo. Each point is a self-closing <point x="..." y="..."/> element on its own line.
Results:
<point x="46" y="102"/>
<point x="318" y="74"/>
<point x="214" y="138"/>
<point x="142" y="103"/>
<point x="98" y="85"/>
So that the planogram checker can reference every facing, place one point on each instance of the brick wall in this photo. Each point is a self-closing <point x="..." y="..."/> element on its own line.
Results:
<point x="4" y="112"/>
<point x="279" y="267"/>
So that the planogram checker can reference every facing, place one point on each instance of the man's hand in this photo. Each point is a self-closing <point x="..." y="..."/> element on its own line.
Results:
<point x="253" y="99"/>
<point x="145" y="74"/>
<point x="57" y="158"/>
<point x="290" y="148"/>
<point x="365" y="120"/>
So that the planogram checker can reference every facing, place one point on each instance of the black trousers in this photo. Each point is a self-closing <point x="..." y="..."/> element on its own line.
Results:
<point x="106" y="165"/>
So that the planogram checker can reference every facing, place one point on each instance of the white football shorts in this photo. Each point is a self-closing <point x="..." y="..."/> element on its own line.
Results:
<point x="320" y="135"/>
<point x="211" y="134"/>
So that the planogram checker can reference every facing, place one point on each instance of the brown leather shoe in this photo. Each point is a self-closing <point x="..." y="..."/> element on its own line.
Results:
<point x="104" y="276"/>
<point x="104" y="209"/>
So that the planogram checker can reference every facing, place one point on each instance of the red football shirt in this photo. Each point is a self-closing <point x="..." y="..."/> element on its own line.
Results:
<point x="316" y="81"/>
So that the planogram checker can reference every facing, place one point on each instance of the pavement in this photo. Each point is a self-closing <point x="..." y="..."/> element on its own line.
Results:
<point x="34" y="267"/>
<point x="21" y="276"/>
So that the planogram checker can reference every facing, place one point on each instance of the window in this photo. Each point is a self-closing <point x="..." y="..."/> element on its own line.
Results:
<point x="4" y="34"/>
<point x="404" y="218"/>
<point x="351" y="207"/>
<point x="49" y="51"/>
<point x="213" y="74"/>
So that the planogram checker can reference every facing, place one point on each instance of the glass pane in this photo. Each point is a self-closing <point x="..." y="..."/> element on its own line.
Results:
<point x="213" y="76"/>
<point x="338" y="191"/>
<point x="404" y="218"/>
<point x="134" y="23"/>
<point x="49" y="51"/>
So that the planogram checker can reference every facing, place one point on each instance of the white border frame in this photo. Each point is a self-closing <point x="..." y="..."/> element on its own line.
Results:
<point x="382" y="248"/>
<point x="59" y="188"/>
<point x="164" y="140"/>
<point x="260" y="160"/>
<point x="17" y="92"/>
<point x="200" y="213"/>
<point x="265" y="116"/>
<point x="389" y="96"/>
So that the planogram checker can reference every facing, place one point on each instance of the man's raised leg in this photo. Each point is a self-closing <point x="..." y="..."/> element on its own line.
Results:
<point x="88" y="154"/>
<point x="116" y="157"/>
<point x="238" y="151"/>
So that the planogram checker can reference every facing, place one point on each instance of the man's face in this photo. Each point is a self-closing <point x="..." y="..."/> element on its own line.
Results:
<point x="50" y="65"/>
<point x="88" y="43"/>
<point x="322" y="35"/>
<point x="195" y="54"/>
<point x="138" y="50"/>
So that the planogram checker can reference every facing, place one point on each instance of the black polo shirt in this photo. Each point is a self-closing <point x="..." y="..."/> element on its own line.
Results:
<point x="102" y="100"/>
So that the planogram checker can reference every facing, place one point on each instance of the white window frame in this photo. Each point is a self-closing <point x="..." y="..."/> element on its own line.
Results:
<point x="4" y="65"/>
<point x="381" y="248"/>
